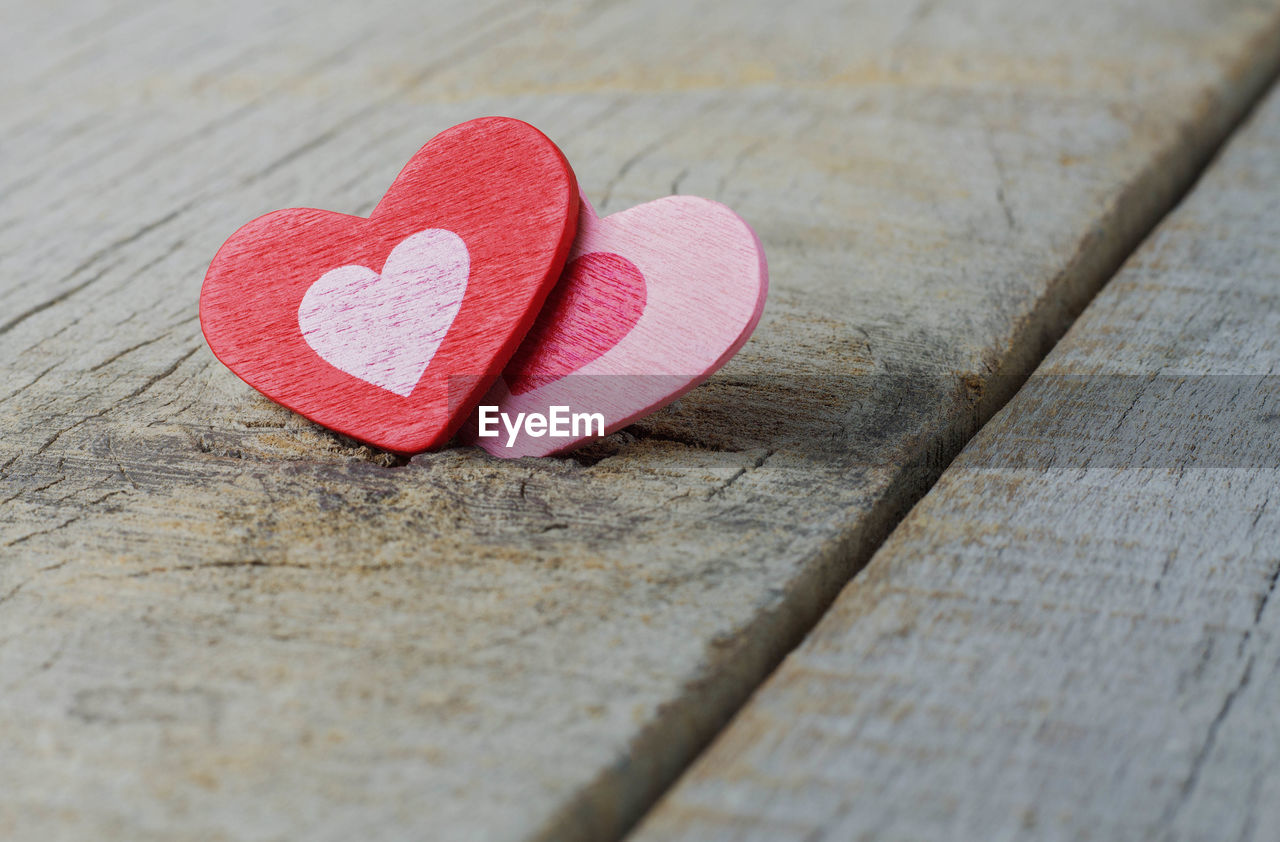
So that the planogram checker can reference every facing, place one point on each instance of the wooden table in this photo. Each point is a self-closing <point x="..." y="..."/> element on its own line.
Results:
<point x="218" y="621"/>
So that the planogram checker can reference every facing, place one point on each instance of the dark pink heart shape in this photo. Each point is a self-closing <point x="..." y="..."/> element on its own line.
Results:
<point x="596" y="302"/>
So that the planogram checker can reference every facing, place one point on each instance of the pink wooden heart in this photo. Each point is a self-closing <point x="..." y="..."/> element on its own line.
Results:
<point x="596" y="302"/>
<point x="623" y="344"/>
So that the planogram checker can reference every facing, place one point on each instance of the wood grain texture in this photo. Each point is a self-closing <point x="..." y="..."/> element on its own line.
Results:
<point x="389" y="329"/>
<point x="696" y="279"/>
<point x="218" y="621"/>
<point x="1075" y="634"/>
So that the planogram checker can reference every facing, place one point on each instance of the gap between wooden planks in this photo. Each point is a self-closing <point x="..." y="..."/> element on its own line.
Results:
<point x="1074" y="634"/>
<point x="217" y="620"/>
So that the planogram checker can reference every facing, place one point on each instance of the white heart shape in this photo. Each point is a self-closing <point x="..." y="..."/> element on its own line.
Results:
<point x="384" y="329"/>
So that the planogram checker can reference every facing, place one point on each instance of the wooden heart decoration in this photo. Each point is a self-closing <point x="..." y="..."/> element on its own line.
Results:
<point x="389" y="329"/>
<point x="652" y="302"/>
<point x="597" y="301"/>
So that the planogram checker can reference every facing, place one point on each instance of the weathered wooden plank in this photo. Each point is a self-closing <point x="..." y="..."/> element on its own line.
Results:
<point x="1073" y="635"/>
<point x="218" y="621"/>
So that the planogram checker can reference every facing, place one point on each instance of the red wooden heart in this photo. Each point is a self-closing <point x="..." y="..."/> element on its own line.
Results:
<point x="334" y="316"/>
